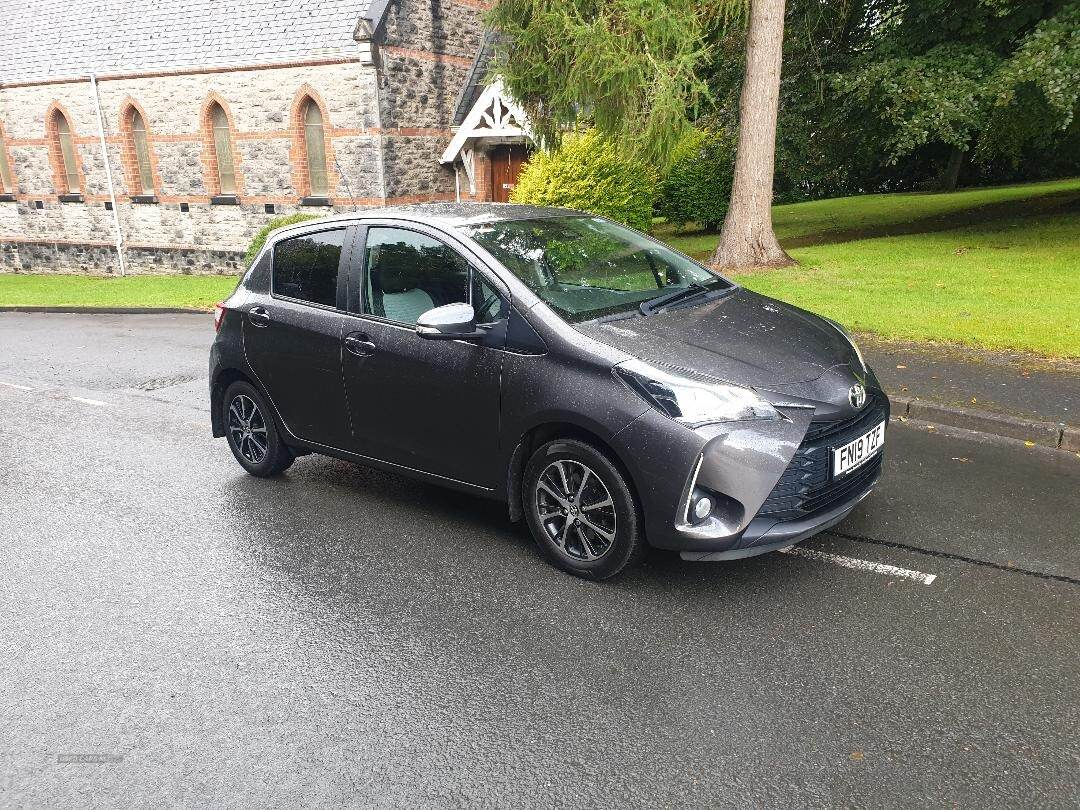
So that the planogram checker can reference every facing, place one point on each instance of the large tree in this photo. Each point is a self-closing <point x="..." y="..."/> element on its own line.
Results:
<point x="747" y="239"/>
<point x="634" y="69"/>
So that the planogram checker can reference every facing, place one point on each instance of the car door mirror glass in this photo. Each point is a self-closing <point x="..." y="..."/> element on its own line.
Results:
<point x="448" y="322"/>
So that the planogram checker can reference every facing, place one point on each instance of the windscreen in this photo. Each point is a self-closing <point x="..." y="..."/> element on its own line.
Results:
<point x="586" y="267"/>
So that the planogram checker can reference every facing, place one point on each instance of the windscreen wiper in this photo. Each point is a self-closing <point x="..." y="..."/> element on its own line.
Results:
<point x="693" y="290"/>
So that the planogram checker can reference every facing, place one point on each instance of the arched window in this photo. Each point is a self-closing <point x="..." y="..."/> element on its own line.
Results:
<point x="7" y="182"/>
<point x="65" y="147"/>
<point x="141" y="147"/>
<point x="314" y="149"/>
<point x="223" y="156"/>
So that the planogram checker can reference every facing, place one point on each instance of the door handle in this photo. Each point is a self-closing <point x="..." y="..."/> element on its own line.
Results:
<point x="258" y="316"/>
<point x="358" y="343"/>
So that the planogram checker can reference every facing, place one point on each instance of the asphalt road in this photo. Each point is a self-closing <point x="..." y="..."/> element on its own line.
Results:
<point x="341" y="635"/>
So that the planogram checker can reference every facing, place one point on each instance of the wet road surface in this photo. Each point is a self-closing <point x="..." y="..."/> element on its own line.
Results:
<point x="342" y="635"/>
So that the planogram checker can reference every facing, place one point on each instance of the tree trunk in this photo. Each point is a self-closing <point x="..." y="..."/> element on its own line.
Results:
<point x="951" y="176"/>
<point x="747" y="240"/>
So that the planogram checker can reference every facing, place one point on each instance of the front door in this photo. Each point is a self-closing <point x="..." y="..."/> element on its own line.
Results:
<point x="292" y="335"/>
<point x="429" y="405"/>
<point x="506" y="163"/>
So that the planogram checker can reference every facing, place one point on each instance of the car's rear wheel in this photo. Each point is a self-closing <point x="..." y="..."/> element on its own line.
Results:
<point x="252" y="435"/>
<point x="580" y="510"/>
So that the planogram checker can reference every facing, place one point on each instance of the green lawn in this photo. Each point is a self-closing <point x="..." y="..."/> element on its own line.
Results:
<point x="198" y="292"/>
<point x="1007" y="285"/>
<point x="845" y="219"/>
<point x="1005" y="275"/>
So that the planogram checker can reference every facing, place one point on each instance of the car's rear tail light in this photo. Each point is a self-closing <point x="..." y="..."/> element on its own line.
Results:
<point x="219" y="315"/>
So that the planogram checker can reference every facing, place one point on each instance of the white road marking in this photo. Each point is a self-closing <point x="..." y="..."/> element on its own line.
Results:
<point x="862" y="565"/>
<point x="15" y="385"/>
<point x="91" y="401"/>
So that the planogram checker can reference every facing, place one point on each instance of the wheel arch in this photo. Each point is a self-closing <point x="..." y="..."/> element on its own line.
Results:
<point x="545" y="432"/>
<point x="222" y="381"/>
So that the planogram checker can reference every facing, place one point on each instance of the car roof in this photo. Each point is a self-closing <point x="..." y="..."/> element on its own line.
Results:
<point x="447" y="215"/>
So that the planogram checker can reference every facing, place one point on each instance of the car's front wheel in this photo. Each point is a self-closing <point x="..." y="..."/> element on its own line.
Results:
<point x="252" y="434"/>
<point x="581" y="510"/>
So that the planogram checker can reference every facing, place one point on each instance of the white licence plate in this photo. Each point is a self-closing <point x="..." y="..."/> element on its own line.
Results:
<point x="853" y="454"/>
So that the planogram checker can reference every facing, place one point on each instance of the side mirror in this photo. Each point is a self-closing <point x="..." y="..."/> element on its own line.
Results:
<point x="449" y="322"/>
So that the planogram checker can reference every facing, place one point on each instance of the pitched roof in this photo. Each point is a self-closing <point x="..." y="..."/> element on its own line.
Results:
<point x="66" y="38"/>
<point x="477" y="78"/>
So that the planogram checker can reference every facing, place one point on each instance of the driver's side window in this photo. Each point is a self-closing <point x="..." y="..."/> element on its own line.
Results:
<point x="407" y="273"/>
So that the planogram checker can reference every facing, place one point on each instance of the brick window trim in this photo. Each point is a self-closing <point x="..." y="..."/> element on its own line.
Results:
<point x="56" y="159"/>
<point x="7" y="194"/>
<point x="128" y="160"/>
<point x="298" y="147"/>
<point x="209" y="153"/>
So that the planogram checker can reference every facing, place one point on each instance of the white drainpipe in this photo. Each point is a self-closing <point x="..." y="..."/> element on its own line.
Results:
<point x="108" y="175"/>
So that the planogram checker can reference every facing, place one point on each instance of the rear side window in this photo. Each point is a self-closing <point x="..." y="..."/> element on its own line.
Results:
<point x="306" y="267"/>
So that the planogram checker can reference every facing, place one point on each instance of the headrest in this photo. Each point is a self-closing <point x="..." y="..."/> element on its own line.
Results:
<point x="397" y="267"/>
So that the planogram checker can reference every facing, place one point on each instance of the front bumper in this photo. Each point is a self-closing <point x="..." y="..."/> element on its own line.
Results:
<point x="765" y="534"/>
<point x="771" y="482"/>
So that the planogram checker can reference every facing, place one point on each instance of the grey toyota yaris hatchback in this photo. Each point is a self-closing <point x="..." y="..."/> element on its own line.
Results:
<point x="615" y="393"/>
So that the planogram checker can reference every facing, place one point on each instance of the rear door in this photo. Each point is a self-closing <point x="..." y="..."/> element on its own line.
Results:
<point x="429" y="405"/>
<point x="292" y="334"/>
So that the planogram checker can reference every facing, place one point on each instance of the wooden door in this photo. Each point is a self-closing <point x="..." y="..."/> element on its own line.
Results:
<point x="506" y="162"/>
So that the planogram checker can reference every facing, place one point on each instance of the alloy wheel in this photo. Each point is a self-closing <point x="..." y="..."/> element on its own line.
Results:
<point x="247" y="427"/>
<point x="575" y="508"/>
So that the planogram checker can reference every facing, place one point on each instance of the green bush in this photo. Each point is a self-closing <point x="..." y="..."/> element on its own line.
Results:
<point x="588" y="173"/>
<point x="259" y="239"/>
<point x="698" y="185"/>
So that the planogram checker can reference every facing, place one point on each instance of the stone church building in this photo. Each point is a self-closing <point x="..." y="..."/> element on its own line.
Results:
<point x="157" y="137"/>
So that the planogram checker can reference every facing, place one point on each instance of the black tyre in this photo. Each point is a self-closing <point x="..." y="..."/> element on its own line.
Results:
<point x="252" y="434"/>
<point x="581" y="511"/>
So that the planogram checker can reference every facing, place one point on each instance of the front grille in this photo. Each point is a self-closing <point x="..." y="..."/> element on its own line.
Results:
<point x="807" y="485"/>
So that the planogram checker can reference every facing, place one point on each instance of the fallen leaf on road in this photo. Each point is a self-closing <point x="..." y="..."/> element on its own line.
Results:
<point x="857" y="756"/>
<point x="973" y="400"/>
<point x="1029" y="444"/>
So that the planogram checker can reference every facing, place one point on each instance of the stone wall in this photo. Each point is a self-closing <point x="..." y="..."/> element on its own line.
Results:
<point x="386" y="126"/>
<point x="205" y="237"/>
<point x="428" y="49"/>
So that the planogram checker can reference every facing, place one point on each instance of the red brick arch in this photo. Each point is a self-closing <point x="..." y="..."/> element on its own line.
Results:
<point x="209" y="157"/>
<point x="127" y="148"/>
<point x="5" y="156"/>
<point x="297" y="145"/>
<point x="56" y="159"/>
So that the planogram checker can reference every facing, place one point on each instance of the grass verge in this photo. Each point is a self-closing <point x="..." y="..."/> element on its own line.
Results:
<point x="195" y="292"/>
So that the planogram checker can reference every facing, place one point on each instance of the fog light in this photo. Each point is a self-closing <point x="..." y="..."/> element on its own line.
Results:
<point x="703" y="507"/>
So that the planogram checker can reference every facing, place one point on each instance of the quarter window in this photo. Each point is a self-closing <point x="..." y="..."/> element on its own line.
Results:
<point x="315" y="149"/>
<point x="222" y="137"/>
<point x="142" y="153"/>
<point x="306" y="267"/>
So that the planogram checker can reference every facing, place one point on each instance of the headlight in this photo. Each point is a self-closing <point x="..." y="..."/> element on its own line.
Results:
<point x="851" y="341"/>
<point x="694" y="402"/>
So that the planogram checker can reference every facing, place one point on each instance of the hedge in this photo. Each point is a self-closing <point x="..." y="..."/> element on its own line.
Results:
<point x="698" y="185"/>
<point x="259" y="239"/>
<point x="587" y="172"/>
